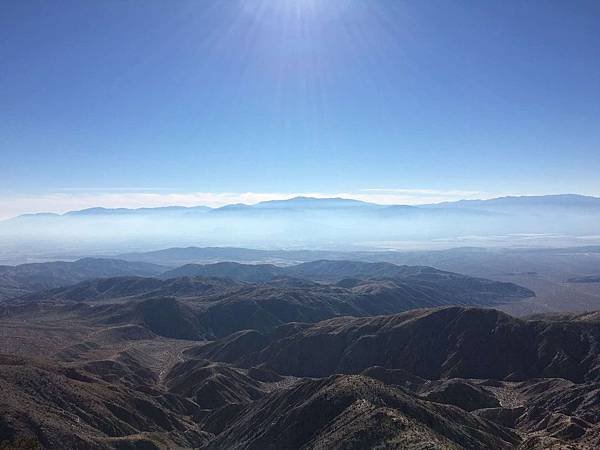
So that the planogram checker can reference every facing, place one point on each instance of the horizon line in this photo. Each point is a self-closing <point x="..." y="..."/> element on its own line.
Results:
<point x="364" y="198"/>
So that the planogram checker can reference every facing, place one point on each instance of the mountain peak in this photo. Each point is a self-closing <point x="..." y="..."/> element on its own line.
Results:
<point x="313" y="202"/>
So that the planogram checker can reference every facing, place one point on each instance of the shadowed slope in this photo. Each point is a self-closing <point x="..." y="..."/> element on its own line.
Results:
<point x="457" y="342"/>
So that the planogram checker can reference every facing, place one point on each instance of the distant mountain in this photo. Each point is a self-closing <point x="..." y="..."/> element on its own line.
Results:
<point x="324" y="223"/>
<point x="327" y="270"/>
<point x="233" y="207"/>
<point x="235" y="271"/>
<point x="500" y="204"/>
<point x="537" y="203"/>
<point x="315" y="203"/>
<point x="166" y="211"/>
<point x="26" y="278"/>
<point x="136" y="211"/>
<point x="561" y="277"/>
<point x="361" y="276"/>
<point x="178" y="256"/>
<point x="299" y="203"/>
<point x="461" y="259"/>
<point x="585" y="279"/>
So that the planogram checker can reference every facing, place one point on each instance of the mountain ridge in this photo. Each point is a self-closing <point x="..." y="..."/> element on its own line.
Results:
<point x="459" y="342"/>
<point x="324" y="202"/>
<point x="26" y="278"/>
<point x="219" y="303"/>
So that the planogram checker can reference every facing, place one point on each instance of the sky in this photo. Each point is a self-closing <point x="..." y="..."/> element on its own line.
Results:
<point x="148" y="103"/>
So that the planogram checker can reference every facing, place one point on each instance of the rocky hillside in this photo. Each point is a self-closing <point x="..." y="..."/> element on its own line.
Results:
<point x="458" y="342"/>
<point x="450" y="378"/>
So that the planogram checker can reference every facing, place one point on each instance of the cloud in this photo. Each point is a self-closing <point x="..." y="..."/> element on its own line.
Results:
<point x="408" y="196"/>
<point x="73" y="199"/>
<point x="425" y="192"/>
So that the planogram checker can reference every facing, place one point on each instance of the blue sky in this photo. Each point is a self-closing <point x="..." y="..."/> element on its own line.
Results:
<point x="125" y="103"/>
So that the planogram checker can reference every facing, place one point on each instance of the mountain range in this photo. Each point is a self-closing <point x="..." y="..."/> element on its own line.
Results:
<point x="342" y="354"/>
<point x="562" y="278"/>
<point x="208" y="301"/>
<point x="326" y="353"/>
<point x="499" y="205"/>
<point x="324" y="223"/>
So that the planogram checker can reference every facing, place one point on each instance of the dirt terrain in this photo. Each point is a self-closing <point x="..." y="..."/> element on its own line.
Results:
<point x="193" y="362"/>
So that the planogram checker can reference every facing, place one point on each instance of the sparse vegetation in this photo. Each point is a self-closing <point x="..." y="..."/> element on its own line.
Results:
<point x="21" y="443"/>
<point x="215" y="363"/>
